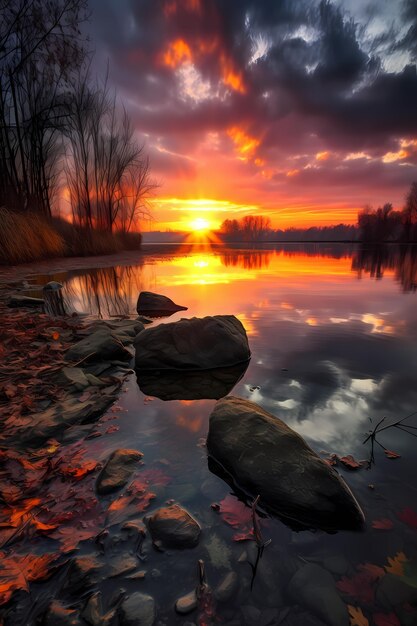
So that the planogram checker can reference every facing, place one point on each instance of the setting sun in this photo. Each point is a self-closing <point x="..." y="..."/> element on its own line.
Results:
<point x="200" y="223"/>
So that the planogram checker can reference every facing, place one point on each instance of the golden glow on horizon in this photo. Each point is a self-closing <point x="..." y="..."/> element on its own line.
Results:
<point x="200" y="223"/>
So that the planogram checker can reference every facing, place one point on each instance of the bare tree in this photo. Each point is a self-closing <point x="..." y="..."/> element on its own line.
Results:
<point x="40" y="46"/>
<point x="107" y="172"/>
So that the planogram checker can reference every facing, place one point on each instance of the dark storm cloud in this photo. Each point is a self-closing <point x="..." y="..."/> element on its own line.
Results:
<point x="318" y="67"/>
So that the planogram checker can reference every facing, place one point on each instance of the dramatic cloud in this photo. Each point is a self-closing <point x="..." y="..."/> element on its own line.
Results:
<point x="302" y="108"/>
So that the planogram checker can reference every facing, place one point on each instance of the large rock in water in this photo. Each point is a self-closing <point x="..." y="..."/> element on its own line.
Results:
<point x="156" y="305"/>
<point x="262" y="455"/>
<point x="193" y="344"/>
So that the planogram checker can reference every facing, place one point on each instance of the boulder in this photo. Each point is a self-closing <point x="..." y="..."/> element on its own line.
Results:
<point x="156" y="305"/>
<point x="102" y="345"/>
<point x="265" y="457"/>
<point x="193" y="344"/>
<point x="192" y="385"/>
<point x="117" y="470"/>
<point x="138" y="609"/>
<point x="173" y="527"/>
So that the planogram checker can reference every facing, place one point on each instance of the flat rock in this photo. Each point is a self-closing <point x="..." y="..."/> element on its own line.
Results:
<point x="314" y="588"/>
<point x="193" y="344"/>
<point x="117" y="470"/>
<point x="263" y="456"/>
<point x="187" y="603"/>
<point x="59" y="615"/>
<point x="173" y="527"/>
<point x="156" y="305"/>
<point x="137" y="610"/>
<point x="121" y="564"/>
<point x="101" y="345"/>
<point x="82" y="573"/>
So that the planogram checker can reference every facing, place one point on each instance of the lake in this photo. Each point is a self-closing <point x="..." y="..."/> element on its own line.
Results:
<point x="332" y="330"/>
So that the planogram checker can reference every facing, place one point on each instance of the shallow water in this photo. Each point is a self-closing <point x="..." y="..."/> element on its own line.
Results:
<point x="332" y="331"/>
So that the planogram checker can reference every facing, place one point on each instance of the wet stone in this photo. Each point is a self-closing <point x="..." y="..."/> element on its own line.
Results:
<point x="83" y="572"/>
<point x="121" y="564"/>
<point x="101" y="345"/>
<point x="187" y="603"/>
<point x="173" y="527"/>
<point x="117" y="470"/>
<point x="138" y="609"/>
<point x="59" y="615"/>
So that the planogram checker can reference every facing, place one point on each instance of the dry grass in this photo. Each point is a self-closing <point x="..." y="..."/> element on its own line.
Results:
<point x="25" y="237"/>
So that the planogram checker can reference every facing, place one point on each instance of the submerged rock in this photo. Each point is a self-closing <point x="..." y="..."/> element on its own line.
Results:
<point x="117" y="470"/>
<point x="137" y="610"/>
<point x="193" y="385"/>
<point x="265" y="457"/>
<point x="102" y="345"/>
<point x="314" y="588"/>
<point x="227" y="587"/>
<point x="193" y="344"/>
<point x="156" y="305"/>
<point x="173" y="527"/>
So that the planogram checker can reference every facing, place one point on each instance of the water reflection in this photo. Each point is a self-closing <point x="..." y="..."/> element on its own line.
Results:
<point x="105" y="292"/>
<point x="376" y="260"/>
<point x="190" y="385"/>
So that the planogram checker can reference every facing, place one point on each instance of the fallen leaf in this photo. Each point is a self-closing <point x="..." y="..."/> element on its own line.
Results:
<point x="408" y="516"/>
<point x="361" y="585"/>
<point x="237" y="515"/>
<point x="396" y="564"/>
<point x="357" y="618"/>
<point x="386" y="619"/>
<point x="391" y="455"/>
<point x="383" y="524"/>
<point x="18" y="571"/>
<point x="350" y="462"/>
<point x="55" y="335"/>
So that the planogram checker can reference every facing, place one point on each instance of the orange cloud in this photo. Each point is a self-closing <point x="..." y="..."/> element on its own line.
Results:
<point x="177" y="52"/>
<point x="230" y="76"/>
<point x="244" y="143"/>
<point x="322" y="156"/>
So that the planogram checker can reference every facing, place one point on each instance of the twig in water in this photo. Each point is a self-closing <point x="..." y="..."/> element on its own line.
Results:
<point x="260" y="543"/>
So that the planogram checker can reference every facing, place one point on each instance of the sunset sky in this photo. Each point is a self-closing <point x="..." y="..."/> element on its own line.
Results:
<point x="304" y="111"/>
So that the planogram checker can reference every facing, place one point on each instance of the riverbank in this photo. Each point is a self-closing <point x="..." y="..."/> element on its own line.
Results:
<point x="26" y="237"/>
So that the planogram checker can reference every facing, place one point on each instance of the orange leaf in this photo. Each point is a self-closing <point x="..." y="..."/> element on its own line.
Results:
<point x="18" y="571"/>
<point x="350" y="462"/>
<point x="357" y="618"/>
<point x="55" y="335"/>
<point x="396" y="564"/>
<point x="392" y="455"/>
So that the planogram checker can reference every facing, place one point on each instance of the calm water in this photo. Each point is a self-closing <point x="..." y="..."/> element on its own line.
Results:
<point x="332" y="332"/>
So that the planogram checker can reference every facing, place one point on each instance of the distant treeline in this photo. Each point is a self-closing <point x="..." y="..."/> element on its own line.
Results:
<point x="258" y="228"/>
<point x="386" y="224"/>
